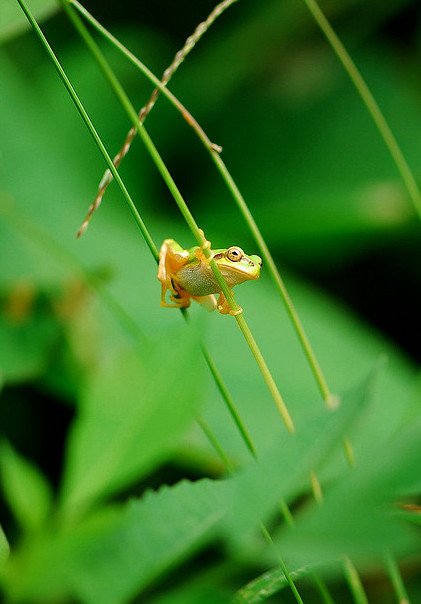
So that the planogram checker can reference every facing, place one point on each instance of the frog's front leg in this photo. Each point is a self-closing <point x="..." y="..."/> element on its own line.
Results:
<point x="171" y="258"/>
<point x="225" y="309"/>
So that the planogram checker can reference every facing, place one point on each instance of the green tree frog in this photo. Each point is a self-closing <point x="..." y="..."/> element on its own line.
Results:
<point x="188" y="275"/>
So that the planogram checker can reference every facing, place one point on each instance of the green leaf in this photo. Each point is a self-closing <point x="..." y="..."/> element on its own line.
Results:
<point x="14" y="22"/>
<point x="27" y="491"/>
<point x="132" y="415"/>
<point x="116" y="552"/>
<point x="359" y="512"/>
<point x="285" y="468"/>
<point x="267" y="584"/>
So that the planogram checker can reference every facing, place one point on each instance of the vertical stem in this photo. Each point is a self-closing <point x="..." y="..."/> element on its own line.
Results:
<point x="370" y="103"/>
<point x="354" y="582"/>
<point x="396" y="579"/>
<point x="283" y="566"/>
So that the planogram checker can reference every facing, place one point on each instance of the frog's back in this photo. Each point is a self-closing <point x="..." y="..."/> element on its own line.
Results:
<point x="197" y="280"/>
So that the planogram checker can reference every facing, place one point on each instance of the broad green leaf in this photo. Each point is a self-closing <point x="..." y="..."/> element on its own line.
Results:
<point x="131" y="417"/>
<point x="359" y="512"/>
<point x="115" y="553"/>
<point x="25" y="488"/>
<point x="281" y="472"/>
<point x="13" y="20"/>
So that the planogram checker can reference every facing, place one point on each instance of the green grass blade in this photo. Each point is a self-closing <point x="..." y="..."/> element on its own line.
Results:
<point x="354" y="582"/>
<point x="396" y="579"/>
<point x="370" y="103"/>
<point x="288" y="576"/>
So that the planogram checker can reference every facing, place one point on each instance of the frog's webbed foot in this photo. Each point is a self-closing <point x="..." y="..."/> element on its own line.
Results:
<point x="179" y="299"/>
<point x="206" y="245"/>
<point x="225" y="309"/>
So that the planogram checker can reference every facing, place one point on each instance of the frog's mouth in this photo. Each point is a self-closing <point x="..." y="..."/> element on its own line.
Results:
<point x="227" y="271"/>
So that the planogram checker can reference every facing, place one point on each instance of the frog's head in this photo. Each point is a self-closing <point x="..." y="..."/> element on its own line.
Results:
<point x="236" y="266"/>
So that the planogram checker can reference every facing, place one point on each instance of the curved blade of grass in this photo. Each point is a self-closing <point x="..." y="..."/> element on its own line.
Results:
<point x="354" y="582"/>
<point x="370" y="104"/>
<point x="396" y="579"/>
<point x="187" y="215"/>
<point x="328" y="397"/>
<point x="145" y="110"/>
<point x="266" y="585"/>
<point x="288" y="576"/>
<point x="141" y="225"/>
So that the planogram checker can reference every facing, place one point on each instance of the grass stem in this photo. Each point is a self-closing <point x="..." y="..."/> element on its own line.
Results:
<point x="370" y="103"/>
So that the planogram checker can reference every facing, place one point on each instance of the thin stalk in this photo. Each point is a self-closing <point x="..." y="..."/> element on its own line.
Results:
<point x="316" y="487"/>
<point x="216" y="444"/>
<point x="282" y="564"/>
<point x="370" y="104"/>
<point x="354" y="582"/>
<point x="396" y="579"/>
<point x="217" y="377"/>
<point x="226" y="395"/>
<point x="187" y="215"/>
<point x="322" y="589"/>
<point x="330" y="399"/>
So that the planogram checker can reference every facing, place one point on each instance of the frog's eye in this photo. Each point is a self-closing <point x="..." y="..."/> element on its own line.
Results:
<point x="234" y="254"/>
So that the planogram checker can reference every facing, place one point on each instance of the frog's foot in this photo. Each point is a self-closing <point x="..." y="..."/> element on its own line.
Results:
<point x="225" y="309"/>
<point x="179" y="299"/>
<point x="209" y="302"/>
<point x="206" y="245"/>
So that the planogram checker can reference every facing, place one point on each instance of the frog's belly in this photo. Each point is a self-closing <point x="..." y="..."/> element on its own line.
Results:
<point x="196" y="282"/>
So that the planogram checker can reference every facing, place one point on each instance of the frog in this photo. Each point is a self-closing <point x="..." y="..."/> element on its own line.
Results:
<point x="187" y="274"/>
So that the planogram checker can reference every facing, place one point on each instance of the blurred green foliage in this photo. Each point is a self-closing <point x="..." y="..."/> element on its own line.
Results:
<point x="113" y="490"/>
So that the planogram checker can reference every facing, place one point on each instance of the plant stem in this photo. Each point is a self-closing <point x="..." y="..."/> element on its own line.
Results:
<point x="370" y="103"/>
<point x="322" y="588"/>
<point x="396" y="579"/>
<point x="215" y="443"/>
<point x="354" y="582"/>
<point x="187" y="215"/>
<point x="282" y="564"/>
